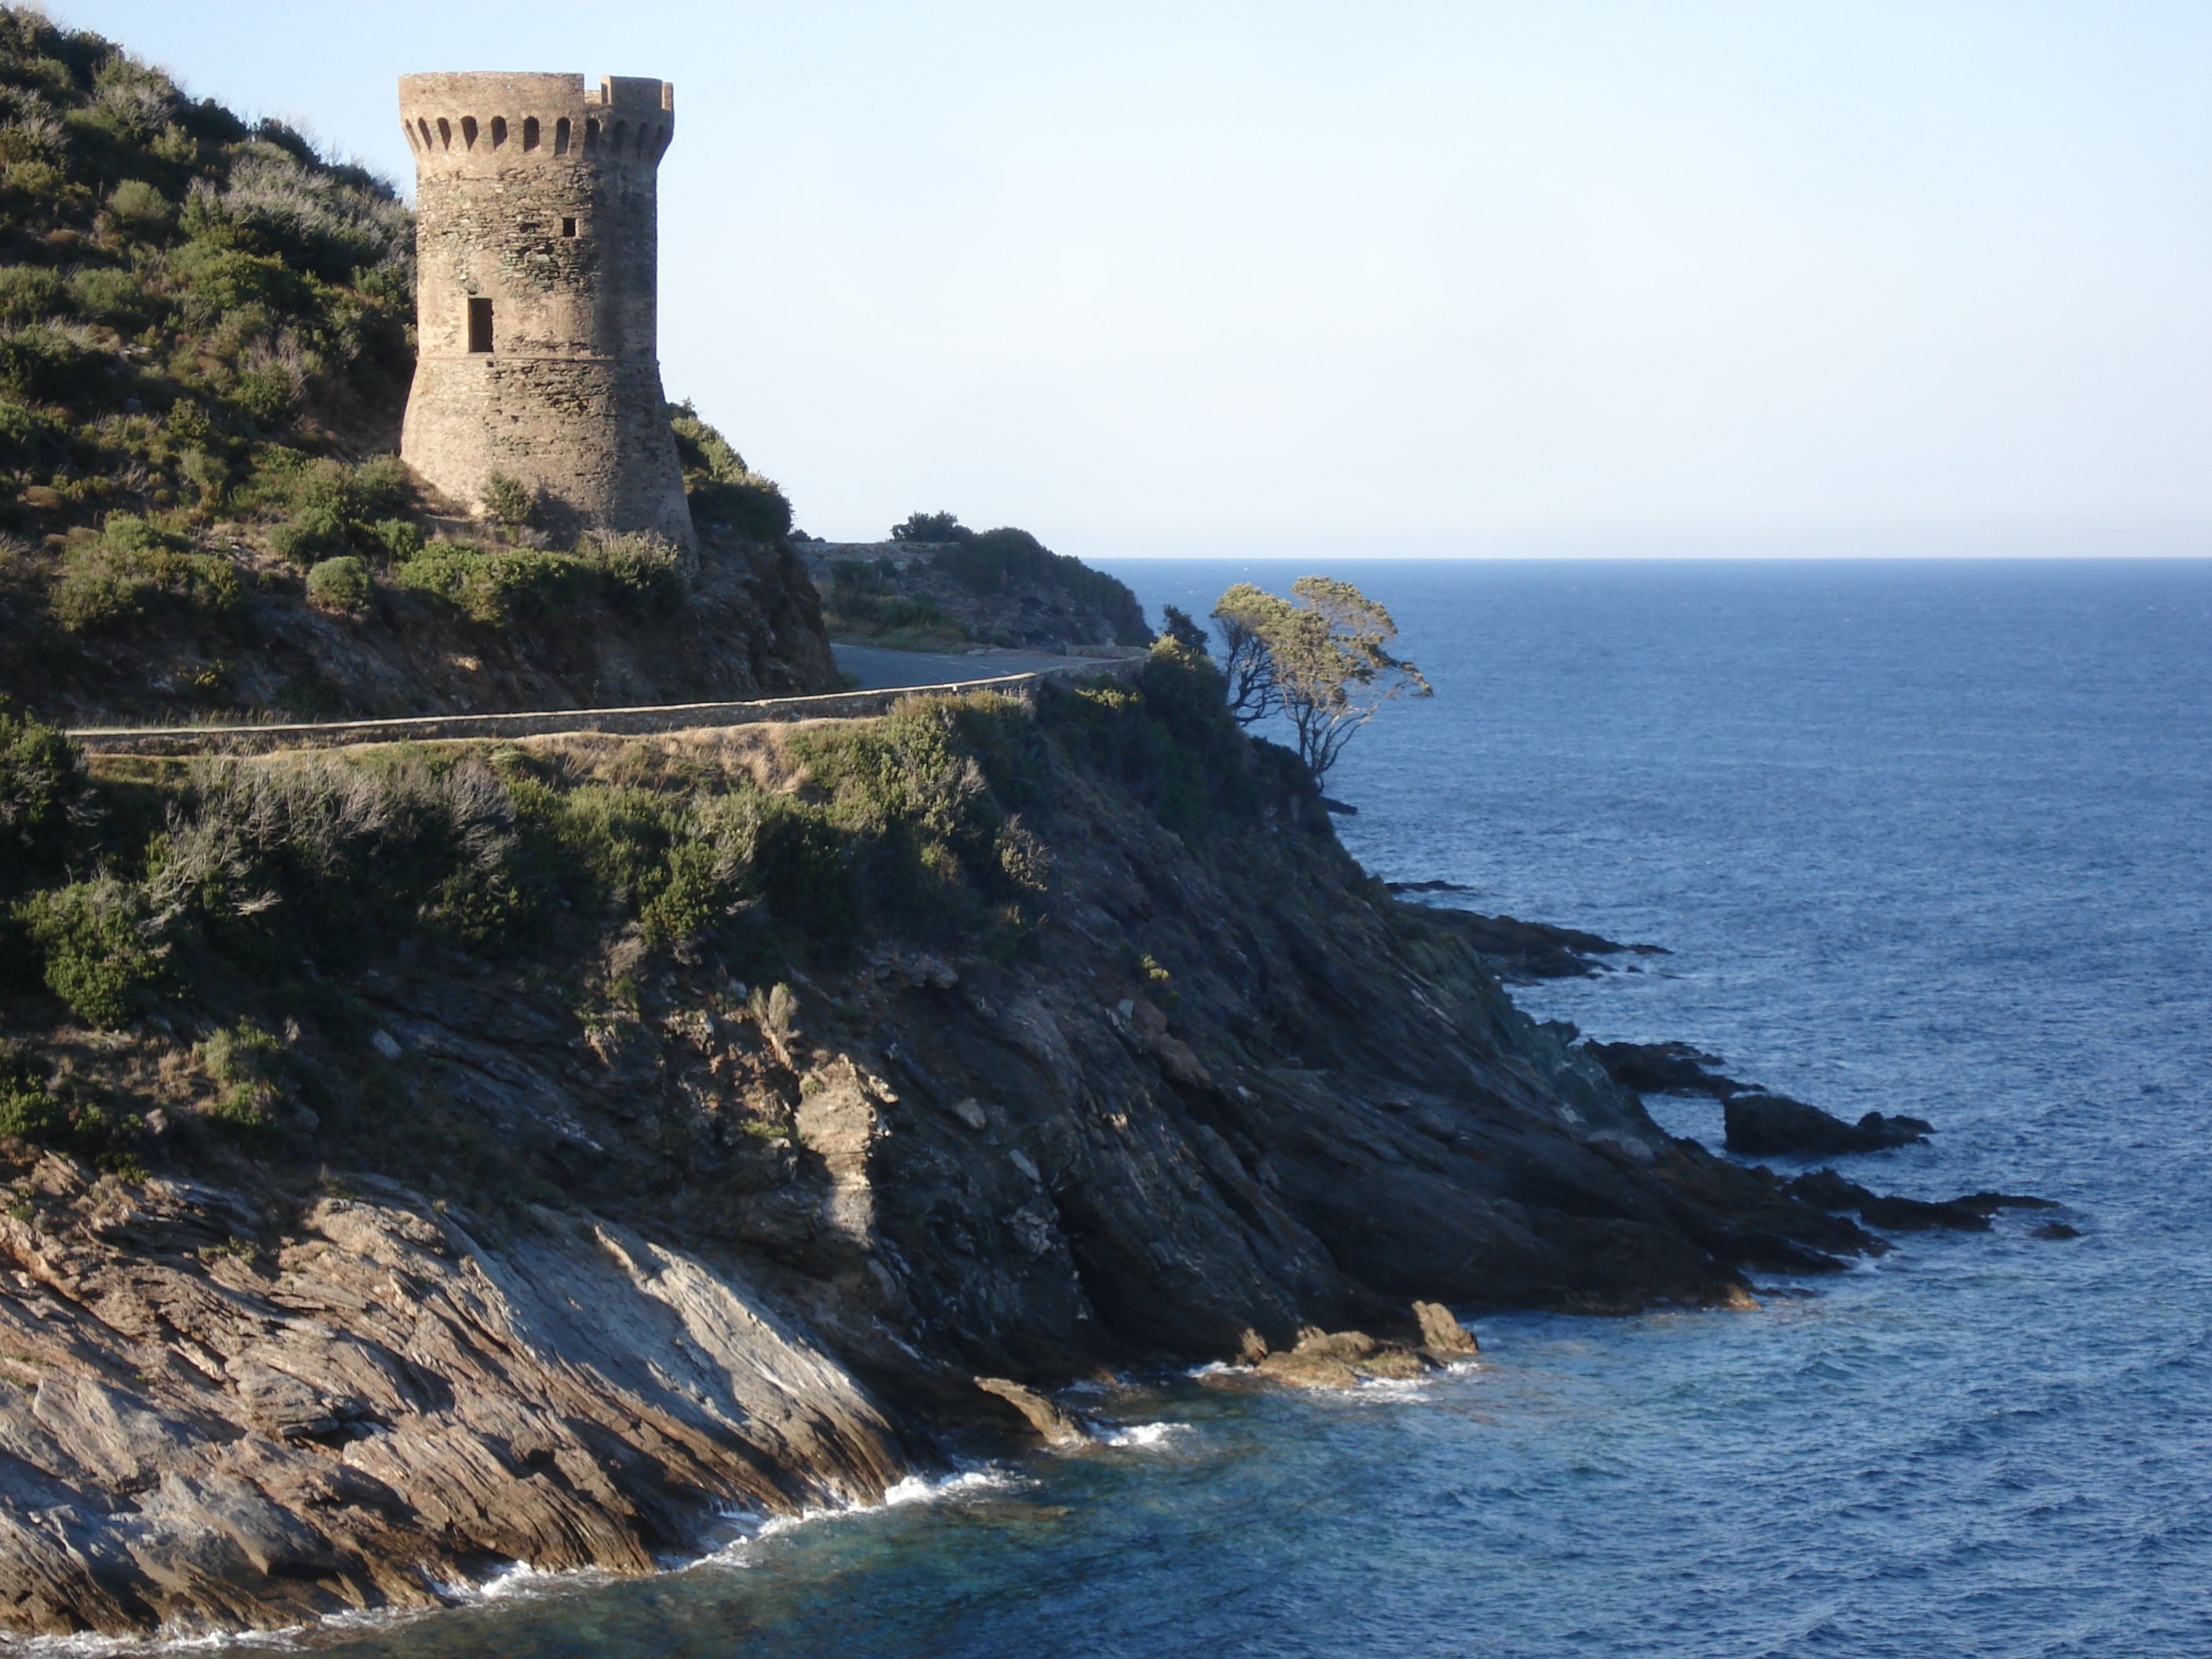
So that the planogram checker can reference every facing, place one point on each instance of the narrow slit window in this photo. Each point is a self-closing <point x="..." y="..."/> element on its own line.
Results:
<point x="409" y="131"/>
<point x="529" y="132"/>
<point x="568" y="226"/>
<point x="425" y="126"/>
<point x="468" y="131"/>
<point x="445" y="133"/>
<point x="591" y="135"/>
<point x="561" y="136"/>
<point x="479" y="325"/>
<point x="622" y="136"/>
<point x="498" y="131"/>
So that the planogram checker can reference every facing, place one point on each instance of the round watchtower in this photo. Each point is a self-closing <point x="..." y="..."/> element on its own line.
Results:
<point x="536" y="233"/>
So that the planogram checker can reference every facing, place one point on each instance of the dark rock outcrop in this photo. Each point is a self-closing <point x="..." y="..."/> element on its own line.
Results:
<point x="1970" y="1214"/>
<point x="1521" y="952"/>
<point x="1770" y="1125"/>
<point x="1664" y="1068"/>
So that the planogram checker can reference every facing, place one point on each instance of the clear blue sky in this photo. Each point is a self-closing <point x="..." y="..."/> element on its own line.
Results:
<point x="1656" y="275"/>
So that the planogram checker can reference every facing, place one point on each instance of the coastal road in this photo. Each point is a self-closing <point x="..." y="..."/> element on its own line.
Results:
<point x="880" y="670"/>
<point x="882" y="674"/>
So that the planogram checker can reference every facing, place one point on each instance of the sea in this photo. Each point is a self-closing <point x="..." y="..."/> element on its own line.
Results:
<point x="1922" y="836"/>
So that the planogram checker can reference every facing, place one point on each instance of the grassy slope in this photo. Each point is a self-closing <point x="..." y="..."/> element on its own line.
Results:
<point x="205" y="345"/>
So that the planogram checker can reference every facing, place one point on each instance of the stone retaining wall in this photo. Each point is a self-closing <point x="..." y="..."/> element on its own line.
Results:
<point x="623" y="722"/>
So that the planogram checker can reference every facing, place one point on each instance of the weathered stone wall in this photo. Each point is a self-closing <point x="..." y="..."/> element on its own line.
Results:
<point x="536" y="199"/>
<point x="625" y="722"/>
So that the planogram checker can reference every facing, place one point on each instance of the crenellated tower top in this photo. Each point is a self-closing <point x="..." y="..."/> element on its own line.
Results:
<point x="483" y="123"/>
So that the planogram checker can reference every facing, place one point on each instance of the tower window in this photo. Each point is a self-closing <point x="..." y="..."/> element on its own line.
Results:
<point x="568" y="226"/>
<point x="529" y="132"/>
<point x="479" y="325"/>
<point x="561" y="136"/>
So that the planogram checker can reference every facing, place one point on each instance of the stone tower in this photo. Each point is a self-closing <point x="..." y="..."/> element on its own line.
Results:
<point x="537" y="231"/>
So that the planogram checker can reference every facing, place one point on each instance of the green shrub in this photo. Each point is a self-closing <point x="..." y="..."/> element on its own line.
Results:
<point x="116" y="298"/>
<point x="243" y="1060"/>
<point x="754" y="507"/>
<point x="638" y="573"/>
<point x="27" y="1109"/>
<point x="336" y="509"/>
<point x="100" y="952"/>
<point x="930" y="527"/>
<point x="29" y="293"/>
<point x="41" y="781"/>
<point x="399" y="540"/>
<point x="497" y="587"/>
<point x="33" y="1110"/>
<point x="509" y="502"/>
<point x="315" y="535"/>
<point x="140" y="209"/>
<point x="263" y="395"/>
<point x="135" y="573"/>
<point x="42" y="364"/>
<point x="230" y="279"/>
<point x="722" y="489"/>
<point x="1169" y="737"/>
<point x="339" y="584"/>
<point x="25" y="434"/>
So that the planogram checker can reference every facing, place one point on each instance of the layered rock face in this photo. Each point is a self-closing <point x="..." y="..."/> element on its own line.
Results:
<point x="755" y="1246"/>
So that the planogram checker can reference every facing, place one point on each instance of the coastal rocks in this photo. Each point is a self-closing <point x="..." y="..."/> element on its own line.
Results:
<point x="1055" y="1427"/>
<point x="1971" y="1214"/>
<point x="1521" y="952"/>
<point x="1766" y="1126"/>
<point x="1343" y="1359"/>
<point x="1831" y="1191"/>
<point x="1442" y="1333"/>
<point x="1759" y="1122"/>
<point x="1664" y="1068"/>
<point x="363" y="1400"/>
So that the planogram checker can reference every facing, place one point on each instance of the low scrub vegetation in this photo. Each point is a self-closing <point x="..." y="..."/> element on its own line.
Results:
<point x="990" y="562"/>
<point x="863" y="602"/>
<point x="237" y="902"/>
<point x="724" y="492"/>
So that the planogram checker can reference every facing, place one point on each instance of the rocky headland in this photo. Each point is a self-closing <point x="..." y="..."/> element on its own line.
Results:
<point x="481" y="1255"/>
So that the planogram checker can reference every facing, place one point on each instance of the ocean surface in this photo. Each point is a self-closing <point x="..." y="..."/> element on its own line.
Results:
<point x="1928" y="837"/>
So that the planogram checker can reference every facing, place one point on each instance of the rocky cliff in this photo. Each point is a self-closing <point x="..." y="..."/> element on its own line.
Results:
<point x="496" y="1257"/>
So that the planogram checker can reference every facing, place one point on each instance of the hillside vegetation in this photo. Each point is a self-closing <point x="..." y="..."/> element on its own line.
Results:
<point x="950" y="587"/>
<point x="206" y="341"/>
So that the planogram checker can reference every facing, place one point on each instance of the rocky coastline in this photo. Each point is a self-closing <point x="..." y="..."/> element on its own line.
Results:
<point x="773" y="1248"/>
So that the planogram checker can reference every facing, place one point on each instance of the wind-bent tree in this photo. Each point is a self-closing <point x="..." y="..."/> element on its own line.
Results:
<point x="1321" y="658"/>
<point x="1246" y="614"/>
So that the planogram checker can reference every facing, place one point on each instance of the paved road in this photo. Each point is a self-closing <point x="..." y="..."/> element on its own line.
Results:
<point x="880" y="669"/>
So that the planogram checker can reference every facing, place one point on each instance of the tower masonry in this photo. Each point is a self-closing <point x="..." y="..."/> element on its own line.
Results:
<point x="537" y="231"/>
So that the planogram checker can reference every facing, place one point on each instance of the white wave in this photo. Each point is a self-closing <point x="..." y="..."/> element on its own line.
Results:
<point x="1143" y="1434"/>
<point x="914" y="1489"/>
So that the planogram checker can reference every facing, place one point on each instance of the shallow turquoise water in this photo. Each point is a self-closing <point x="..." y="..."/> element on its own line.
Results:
<point x="1921" y="837"/>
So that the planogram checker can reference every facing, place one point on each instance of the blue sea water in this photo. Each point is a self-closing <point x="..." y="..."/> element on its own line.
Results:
<point x="1929" y="838"/>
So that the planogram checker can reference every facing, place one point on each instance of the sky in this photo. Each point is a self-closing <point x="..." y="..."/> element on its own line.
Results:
<point x="1568" y="276"/>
